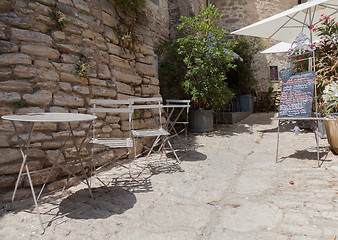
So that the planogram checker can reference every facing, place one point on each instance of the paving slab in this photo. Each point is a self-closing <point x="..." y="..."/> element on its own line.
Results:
<point x="228" y="186"/>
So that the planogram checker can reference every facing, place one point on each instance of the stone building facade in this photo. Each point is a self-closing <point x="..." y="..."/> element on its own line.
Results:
<point x="241" y="13"/>
<point x="38" y="73"/>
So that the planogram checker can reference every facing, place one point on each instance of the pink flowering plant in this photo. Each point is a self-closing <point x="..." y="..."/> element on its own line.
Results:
<point x="327" y="63"/>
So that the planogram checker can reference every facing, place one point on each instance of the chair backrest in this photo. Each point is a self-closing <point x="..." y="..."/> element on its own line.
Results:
<point x="179" y="103"/>
<point x="148" y="104"/>
<point x="112" y="107"/>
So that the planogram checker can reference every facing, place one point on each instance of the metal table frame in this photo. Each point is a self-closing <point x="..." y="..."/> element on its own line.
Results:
<point x="170" y="107"/>
<point x="24" y="145"/>
<point x="315" y="120"/>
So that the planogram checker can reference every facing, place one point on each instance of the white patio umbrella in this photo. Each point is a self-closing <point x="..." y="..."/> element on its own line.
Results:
<point x="286" y="25"/>
<point x="279" y="48"/>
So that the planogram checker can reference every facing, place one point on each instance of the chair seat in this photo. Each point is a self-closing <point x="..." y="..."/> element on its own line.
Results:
<point x="150" y="132"/>
<point x="113" y="142"/>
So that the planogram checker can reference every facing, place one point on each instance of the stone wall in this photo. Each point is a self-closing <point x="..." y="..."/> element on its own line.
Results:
<point x="37" y="73"/>
<point x="240" y="13"/>
<point x="178" y="8"/>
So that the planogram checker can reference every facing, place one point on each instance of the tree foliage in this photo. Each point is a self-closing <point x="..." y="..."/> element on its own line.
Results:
<point x="207" y="57"/>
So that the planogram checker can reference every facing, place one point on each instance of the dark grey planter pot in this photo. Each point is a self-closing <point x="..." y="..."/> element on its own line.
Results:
<point x="201" y="121"/>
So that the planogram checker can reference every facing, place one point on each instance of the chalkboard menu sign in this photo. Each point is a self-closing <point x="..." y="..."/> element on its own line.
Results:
<point x="296" y="96"/>
<point x="274" y="73"/>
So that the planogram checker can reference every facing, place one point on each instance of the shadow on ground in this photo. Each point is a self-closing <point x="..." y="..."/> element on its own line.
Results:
<point x="108" y="201"/>
<point x="306" y="155"/>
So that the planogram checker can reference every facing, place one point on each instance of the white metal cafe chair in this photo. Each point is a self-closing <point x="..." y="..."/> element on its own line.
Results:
<point x="153" y="107"/>
<point x="110" y="107"/>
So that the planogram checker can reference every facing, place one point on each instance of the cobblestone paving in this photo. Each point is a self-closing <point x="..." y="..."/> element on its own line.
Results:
<point x="228" y="186"/>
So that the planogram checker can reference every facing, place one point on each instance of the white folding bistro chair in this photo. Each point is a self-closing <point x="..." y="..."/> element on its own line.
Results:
<point x="153" y="107"/>
<point x="109" y="108"/>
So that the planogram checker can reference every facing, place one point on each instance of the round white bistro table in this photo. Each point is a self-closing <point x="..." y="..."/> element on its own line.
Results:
<point x="32" y="118"/>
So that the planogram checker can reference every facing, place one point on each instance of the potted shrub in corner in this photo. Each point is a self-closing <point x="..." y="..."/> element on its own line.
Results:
<point x="330" y="97"/>
<point x="208" y="57"/>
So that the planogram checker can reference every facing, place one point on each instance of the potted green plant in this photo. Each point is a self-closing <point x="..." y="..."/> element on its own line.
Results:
<point x="330" y="97"/>
<point x="207" y="55"/>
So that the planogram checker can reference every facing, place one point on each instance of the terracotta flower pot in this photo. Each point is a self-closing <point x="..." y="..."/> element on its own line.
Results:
<point x="331" y="127"/>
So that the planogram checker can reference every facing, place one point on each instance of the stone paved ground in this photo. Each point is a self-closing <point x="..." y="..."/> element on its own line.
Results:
<point x="227" y="187"/>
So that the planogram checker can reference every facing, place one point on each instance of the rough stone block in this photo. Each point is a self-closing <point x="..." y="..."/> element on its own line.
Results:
<point x="7" y="181"/>
<point x="5" y="73"/>
<point x="45" y="127"/>
<point x="41" y="51"/>
<point x="41" y="178"/>
<point x="68" y="100"/>
<point x="4" y="140"/>
<point x="39" y="8"/>
<point x="8" y="155"/>
<point x="65" y="67"/>
<point x="71" y="78"/>
<point x="111" y="35"/>
<point x="66" y="87"/>
<point x="109" y="20"/>
<point x="103" y="71"/>
<point x="150" y="89"/>
<point x="8" y="47"/>
<point x="145" y="69"/>
<point x="54" y="144"/>
<point x="112" y="119"/>
<point x="5" y="6"/>
<point x="14" y="58"/>
<point x="124" y="88"/>
<point x="39" y="98"/>
<point x="116" y="61"/>
<point x="6" y="111"/>
<point x="119" y="51"/>
<point x="55" y="156"/>
<point x="43" y="64"/>
<point x="58" y="35"/>
<point x="150" y="60"/>
<point x="30" y="36"/>
<point x="68" y="48"/>
<point x="81" y="90"/>
<point x="126" y="77"/>
<point x="24" y="72"/>
<point x="14" y="20"/>
<point x="154" y="81"/>
<point x="82" y="5"/>
<point x="36" y="153"/>
<point x="69" y="58"/>
<point x="47" y="75"/>
<point x="29" y="110"/>
<point x="97" y="82"/>
<point x="103" y="91"/>
<point x="9" y="97"/>
<point x="16" y="86"/>
<point x="146" y="50"/>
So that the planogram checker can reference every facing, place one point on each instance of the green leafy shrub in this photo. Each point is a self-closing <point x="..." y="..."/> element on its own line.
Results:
<point x="81" y="69"/>
<point x="207" y="57"/>
<point x="56" y="15"/>
<point x="242" y="78"/>
<point x="172" y="71"/>
<point x="20" y="104"/>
